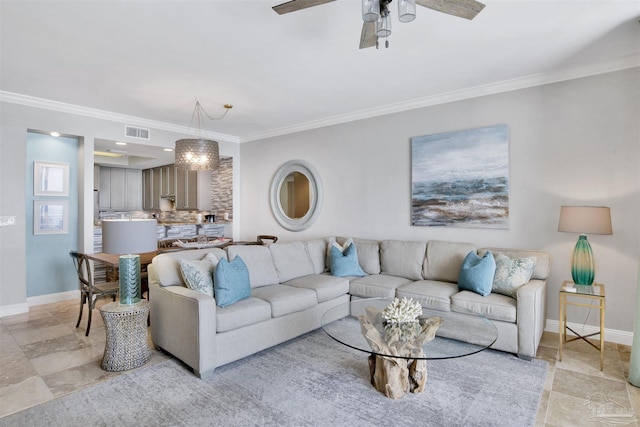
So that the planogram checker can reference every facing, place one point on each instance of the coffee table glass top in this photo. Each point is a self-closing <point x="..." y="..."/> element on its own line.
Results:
<point x="460" y="334"/>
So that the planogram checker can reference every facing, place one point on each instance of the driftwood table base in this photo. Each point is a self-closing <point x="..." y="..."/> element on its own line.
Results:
<point x="395" y="377"/>
<point x="399" y="365"/>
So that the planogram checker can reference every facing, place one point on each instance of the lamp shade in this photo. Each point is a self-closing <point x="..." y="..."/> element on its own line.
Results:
<point x="197" y="154"/>
<point x="585" y="219"/>
<point x="129" y="236"/>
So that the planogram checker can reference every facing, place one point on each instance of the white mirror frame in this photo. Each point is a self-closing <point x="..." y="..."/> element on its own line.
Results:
<point x="315" y="202"/>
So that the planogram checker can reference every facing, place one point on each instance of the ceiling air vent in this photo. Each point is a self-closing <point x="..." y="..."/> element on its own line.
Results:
<point x="133" y="132"/>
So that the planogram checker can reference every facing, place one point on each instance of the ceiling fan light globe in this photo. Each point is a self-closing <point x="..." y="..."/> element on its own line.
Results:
<point x="370" y="10"/>
<point x="383" y="26"/>
<point x="406" y="10"/>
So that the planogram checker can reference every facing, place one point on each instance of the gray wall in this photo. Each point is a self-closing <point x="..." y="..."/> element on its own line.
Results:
<point x="574" y="142"/>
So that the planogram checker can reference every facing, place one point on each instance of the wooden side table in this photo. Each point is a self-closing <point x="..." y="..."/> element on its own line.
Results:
<point x="126" y="328"/>
<point x="592" y="292"/>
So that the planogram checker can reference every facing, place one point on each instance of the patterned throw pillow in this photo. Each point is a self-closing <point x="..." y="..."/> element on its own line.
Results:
<point x="197" y="274"/>
<point x="476" y="274"/>
<point x="511" y="274"/>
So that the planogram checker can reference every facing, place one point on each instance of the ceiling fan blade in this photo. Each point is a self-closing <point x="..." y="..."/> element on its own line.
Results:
<point x="293" y="5"/>
<point x="467" y="9"/>
<point x="368" y="37"/>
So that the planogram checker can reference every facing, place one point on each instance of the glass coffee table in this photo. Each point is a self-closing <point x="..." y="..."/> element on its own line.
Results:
<point x="398" y="354"/>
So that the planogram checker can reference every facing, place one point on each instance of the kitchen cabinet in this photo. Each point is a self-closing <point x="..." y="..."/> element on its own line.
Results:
<point x="167" y="180"/>
<point x="120" y="189"/>
<point x="186" y="189"/>
<point x="133" y="189"/>
<point x="151" y="188"/>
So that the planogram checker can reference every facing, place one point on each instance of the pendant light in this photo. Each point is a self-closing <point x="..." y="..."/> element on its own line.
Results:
<point x="199" y="153"/>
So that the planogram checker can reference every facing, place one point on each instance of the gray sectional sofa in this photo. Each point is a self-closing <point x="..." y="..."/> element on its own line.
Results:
<point x="291" y="289"/>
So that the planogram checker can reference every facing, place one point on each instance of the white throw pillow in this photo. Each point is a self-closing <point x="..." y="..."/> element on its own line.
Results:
<point x="198" y="274"/>
<point x="511" y="274"/>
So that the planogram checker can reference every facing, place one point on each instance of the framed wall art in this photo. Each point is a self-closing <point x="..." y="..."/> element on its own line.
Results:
<point x="50" y="179"/>
<point x="461" y="178"/>
<point x="50" y="217"/>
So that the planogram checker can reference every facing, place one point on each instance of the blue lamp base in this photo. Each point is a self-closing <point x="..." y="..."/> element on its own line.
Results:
<point x="582" y="265"/>
<point x="129" y="275"/>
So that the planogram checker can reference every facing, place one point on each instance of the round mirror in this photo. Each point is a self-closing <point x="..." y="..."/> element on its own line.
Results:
<point x="296" y="195"/>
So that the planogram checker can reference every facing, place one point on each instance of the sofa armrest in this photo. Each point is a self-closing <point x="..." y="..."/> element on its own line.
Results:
<point x="183" y="322"/>
<point x="531" y="317"/>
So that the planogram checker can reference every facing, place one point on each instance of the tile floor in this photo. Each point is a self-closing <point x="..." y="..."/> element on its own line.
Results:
<point x="43" y="356"/>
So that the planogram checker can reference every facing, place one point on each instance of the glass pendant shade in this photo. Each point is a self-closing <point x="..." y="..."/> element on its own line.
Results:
<point x="582" y="269"/>
<point x="370" y="10"/>
<point x="197" y="154"/>
<point x="406" y="10"/>
<point x="383" y="26"/>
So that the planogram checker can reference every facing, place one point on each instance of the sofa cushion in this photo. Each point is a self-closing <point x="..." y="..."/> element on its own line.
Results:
<point x="476" y="273"/>
<point x="285" y="299"/>
<point x="317" y="250"/>
<point x="511" y="274"/>
<point x="291" y="260"/>
<point x="543" y="260"/>
<point x="431" y="294"/>
<point x="196" y="274"/>
<point x="403" y="259"/>
<point x="258" y="259"/>
<point x="493" y="306"/>
<point x="376" y="286"/>
<point x="325" y="286"/>
<point x="345" y="263"/>
<point x="368" y="253"/>
<point x="243" y="313"/>
<point x="167" y="269"/>
<point x="444" y="259"/>
<point x="231" y="282"/>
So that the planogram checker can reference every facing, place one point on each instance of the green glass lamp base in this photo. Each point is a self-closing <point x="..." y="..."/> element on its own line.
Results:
<point x="582" y="265"/>
<point x="129" y="275"/>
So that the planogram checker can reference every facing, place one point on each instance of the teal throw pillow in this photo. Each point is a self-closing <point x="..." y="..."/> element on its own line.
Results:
<point x="231" y="282"/>
<point x="511" y="274"/>
<point x="476" y="274"/>
<point x="345" y="263"/>
<point x="197" y="274"/>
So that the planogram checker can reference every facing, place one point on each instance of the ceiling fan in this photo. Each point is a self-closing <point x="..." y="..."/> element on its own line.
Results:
<point x="376" y="15"/>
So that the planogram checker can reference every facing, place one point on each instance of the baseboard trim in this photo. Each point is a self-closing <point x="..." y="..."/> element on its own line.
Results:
<point x="611" y="335"/>
<point x="51" y="298"/>
<point x="10" y="310"/>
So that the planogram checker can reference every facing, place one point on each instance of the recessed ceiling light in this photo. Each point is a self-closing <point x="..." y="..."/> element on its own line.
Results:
<point x="121" y="143"/>
<point x="168" y="149"/>
<point x="55" y="134"/>
<point x="108" y="154"/>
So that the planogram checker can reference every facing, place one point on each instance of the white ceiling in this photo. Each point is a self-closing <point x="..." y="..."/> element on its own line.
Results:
<point x="153" y="59"/>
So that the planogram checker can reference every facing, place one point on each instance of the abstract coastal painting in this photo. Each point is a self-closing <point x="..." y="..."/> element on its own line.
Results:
<point x="461" y="178"/>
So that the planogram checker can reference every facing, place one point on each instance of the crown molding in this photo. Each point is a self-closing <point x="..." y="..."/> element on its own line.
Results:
<point x="460" y="95"/>
<point x="31" y="101"/>
<point x="443" y="98"/>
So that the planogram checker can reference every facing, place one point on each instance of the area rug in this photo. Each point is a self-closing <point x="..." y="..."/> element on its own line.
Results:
<point x="309" y="381"/>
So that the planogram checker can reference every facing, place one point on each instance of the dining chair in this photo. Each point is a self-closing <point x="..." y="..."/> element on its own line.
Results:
<point x="89" y="290"/>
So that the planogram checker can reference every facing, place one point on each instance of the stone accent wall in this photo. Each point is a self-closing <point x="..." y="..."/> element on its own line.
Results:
<point x="222" y="189"/>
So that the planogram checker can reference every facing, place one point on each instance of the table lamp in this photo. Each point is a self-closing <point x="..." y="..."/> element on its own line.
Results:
<point x="128" y="238"/>
<point x="584" y="220"/>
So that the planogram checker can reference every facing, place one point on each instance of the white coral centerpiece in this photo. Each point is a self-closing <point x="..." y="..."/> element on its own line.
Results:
<point x="403" y="310"/>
